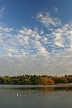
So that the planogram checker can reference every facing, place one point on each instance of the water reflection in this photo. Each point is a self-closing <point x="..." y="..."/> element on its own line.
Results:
<point x="39" y="88"/>
<point x="24" y="96"/>
<point x="47" y="88"/>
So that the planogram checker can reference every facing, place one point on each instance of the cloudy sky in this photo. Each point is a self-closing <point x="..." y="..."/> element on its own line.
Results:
<point x="35" y="37"/>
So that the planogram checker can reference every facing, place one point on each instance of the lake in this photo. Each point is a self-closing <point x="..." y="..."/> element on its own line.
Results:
<point x="36" y="96"/>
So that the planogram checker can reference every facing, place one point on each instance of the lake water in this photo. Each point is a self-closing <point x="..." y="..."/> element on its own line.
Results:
<point x="38" y="96"/>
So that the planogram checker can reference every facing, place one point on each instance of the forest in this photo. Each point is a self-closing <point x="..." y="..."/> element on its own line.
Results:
<point x="35" y="80"/>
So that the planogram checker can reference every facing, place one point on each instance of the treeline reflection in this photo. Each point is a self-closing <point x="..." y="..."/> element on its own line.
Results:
<point x="46" y="88"/>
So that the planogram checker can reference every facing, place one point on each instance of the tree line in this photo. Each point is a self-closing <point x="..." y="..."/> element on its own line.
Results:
<point x="35" y="80"/>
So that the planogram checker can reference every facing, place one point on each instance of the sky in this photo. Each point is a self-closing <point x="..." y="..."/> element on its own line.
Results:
<point x="35" y="37"/>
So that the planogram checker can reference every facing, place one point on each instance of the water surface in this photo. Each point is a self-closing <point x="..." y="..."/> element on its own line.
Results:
<point x="36" y="96"/>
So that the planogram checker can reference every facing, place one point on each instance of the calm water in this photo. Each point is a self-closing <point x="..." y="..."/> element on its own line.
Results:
<point x="52" y="96"/>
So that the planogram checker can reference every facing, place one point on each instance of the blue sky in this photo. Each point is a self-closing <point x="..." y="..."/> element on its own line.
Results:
<point x="35" y="37"/>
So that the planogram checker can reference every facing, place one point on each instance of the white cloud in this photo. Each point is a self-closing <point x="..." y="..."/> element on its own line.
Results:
<point x="33" y="41"/>
<point x="26" y="31"/>
<point x="45" y="39"/>
<point x="47" y="20"/>
<point x="1" y="11"/>
<point x="63" y="36"/>
<point x="26" y="38"/>
<point x="59" y="44"/>
<point x="58" y="63"/>
<point x="5" y="29"/>
<point x="42" y="32"/>
<point x="10" y="55"/>
<point x="34" y="51"/>
<point x="55" y="9"/>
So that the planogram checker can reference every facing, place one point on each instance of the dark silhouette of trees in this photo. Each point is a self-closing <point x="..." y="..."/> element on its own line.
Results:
<point x="35" y="79"/>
